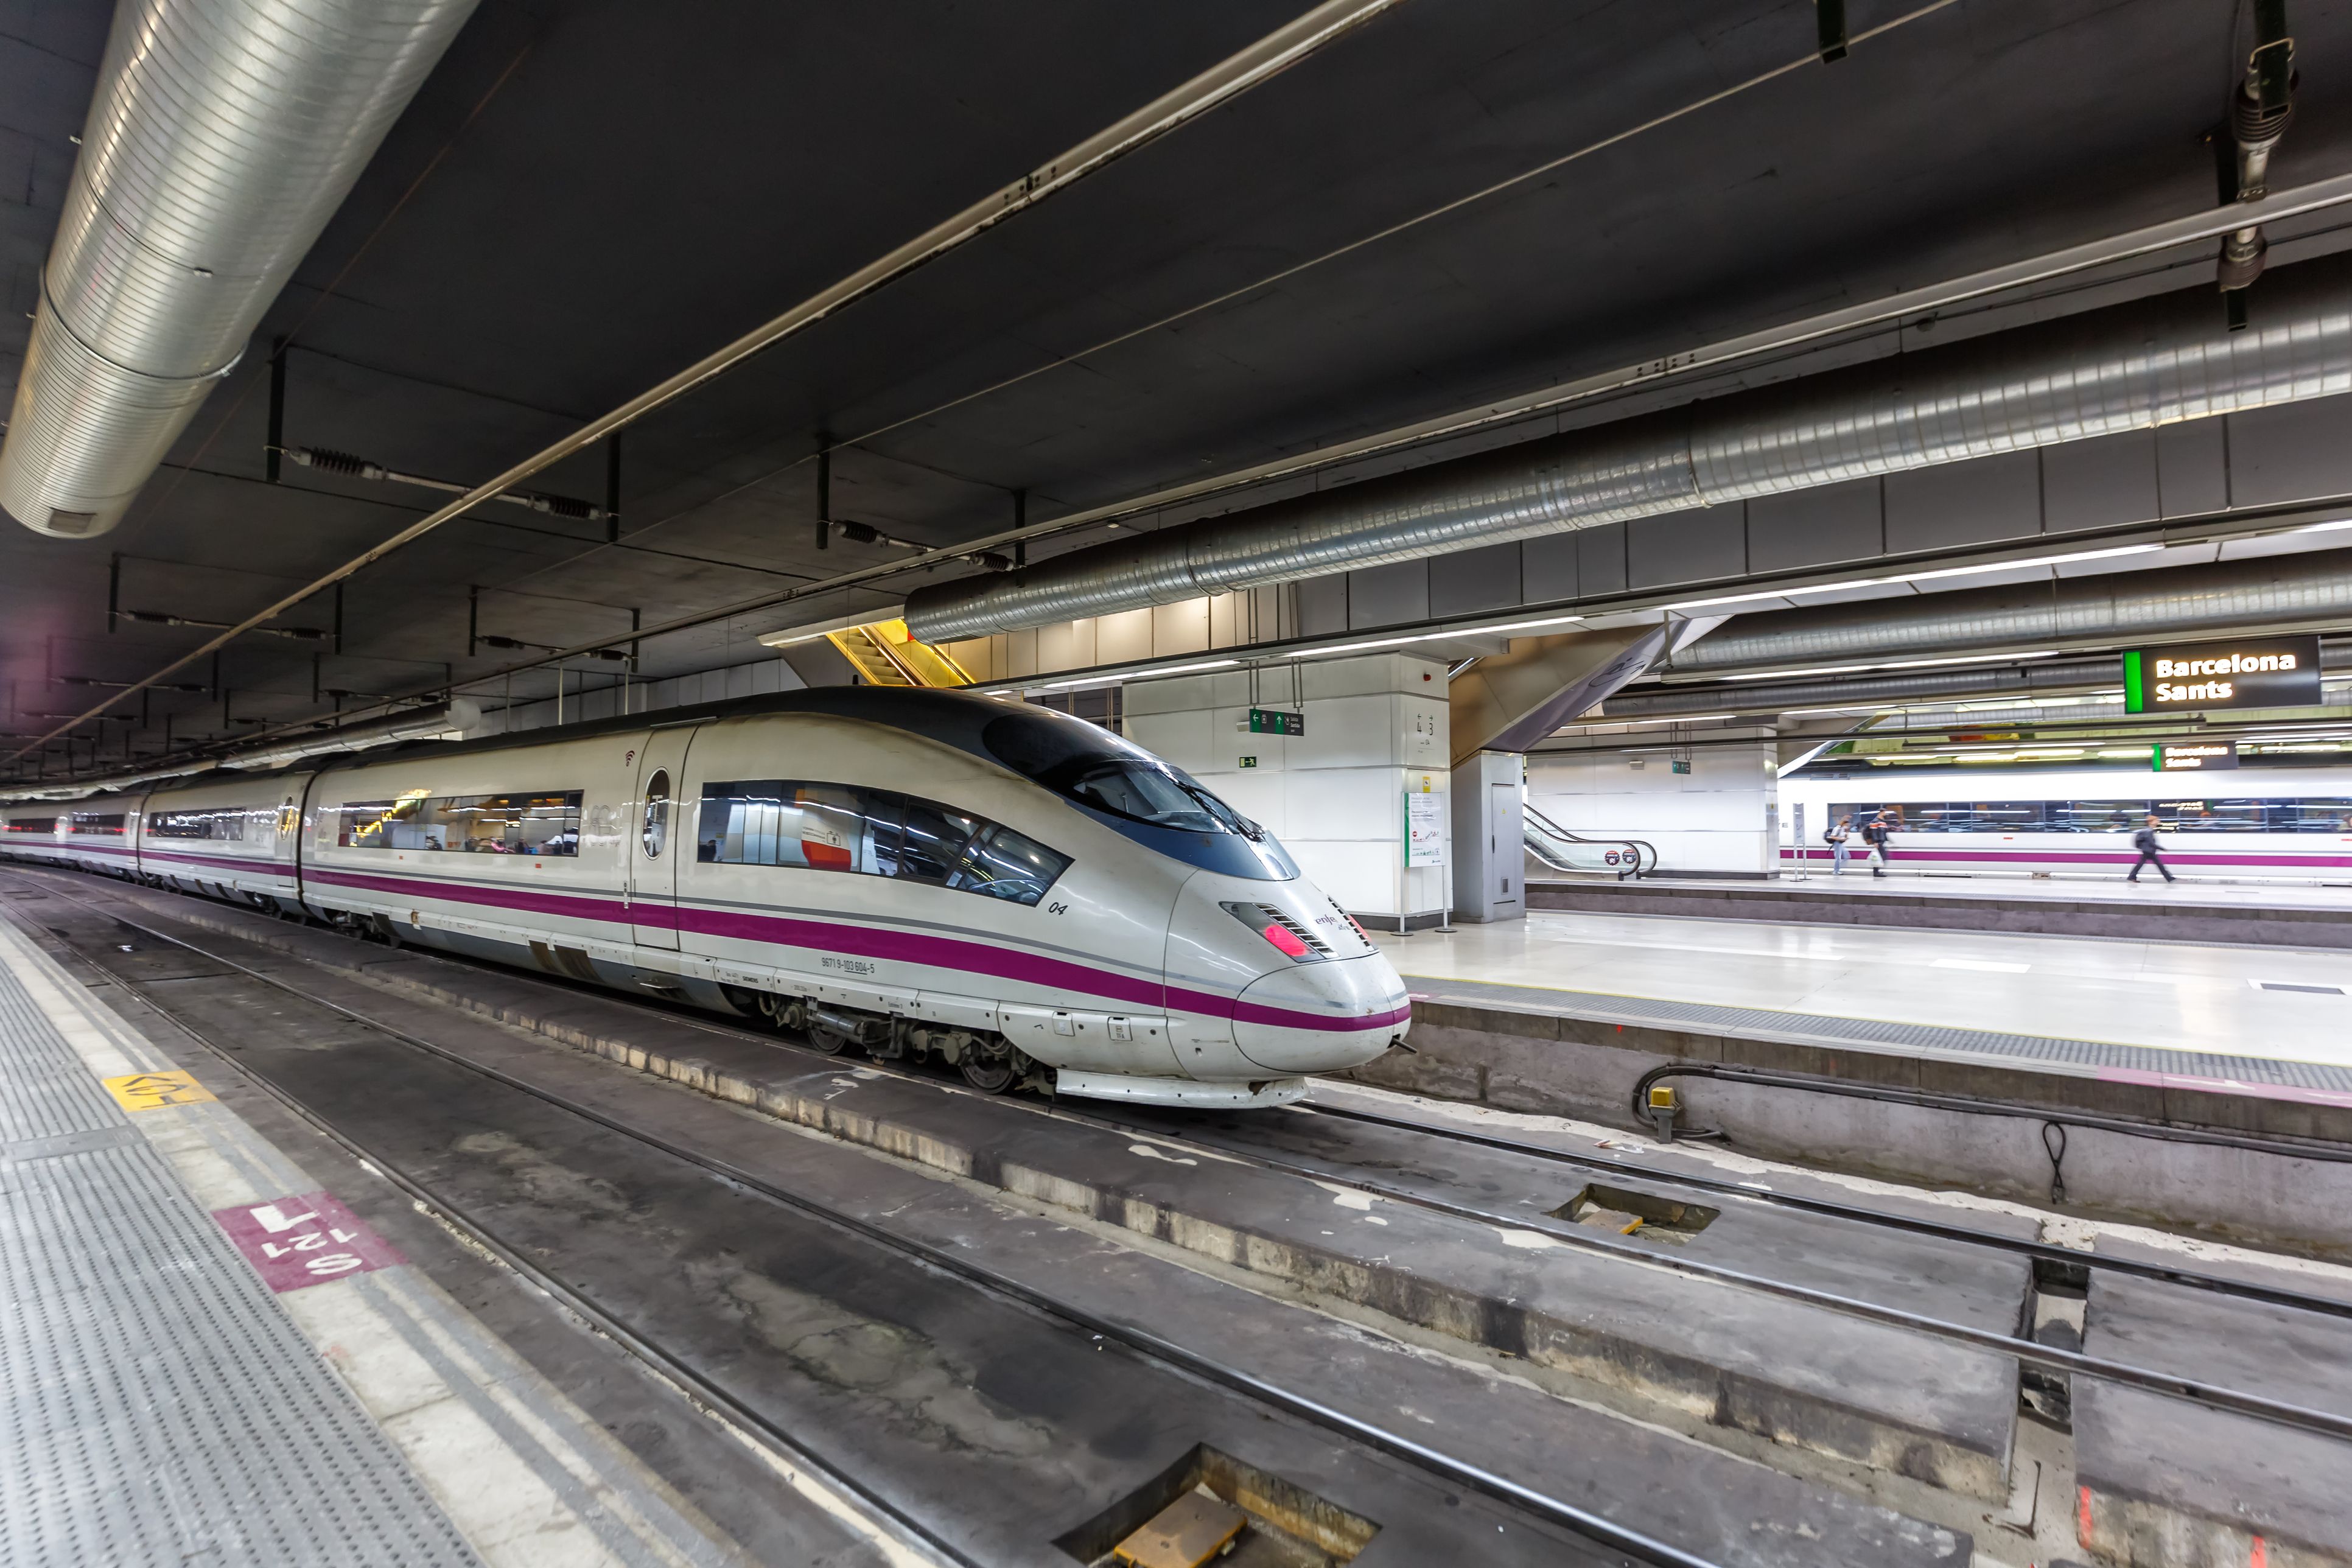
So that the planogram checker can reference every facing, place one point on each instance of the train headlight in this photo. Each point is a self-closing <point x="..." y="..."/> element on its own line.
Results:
<point x="1292" y="937"/>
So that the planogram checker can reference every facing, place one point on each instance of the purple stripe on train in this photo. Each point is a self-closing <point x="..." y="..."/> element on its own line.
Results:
<point x="866" y="942"/>
<point x="1904" y="852"/>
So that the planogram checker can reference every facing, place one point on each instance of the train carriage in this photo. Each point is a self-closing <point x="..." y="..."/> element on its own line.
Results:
<point x="2287" y="825"/>
<point x="1015" y="892"/>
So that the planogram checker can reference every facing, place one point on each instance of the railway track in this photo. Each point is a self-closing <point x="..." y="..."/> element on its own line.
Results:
<point x="1218" y="1138"/>
<point x="1611" y="1542"/>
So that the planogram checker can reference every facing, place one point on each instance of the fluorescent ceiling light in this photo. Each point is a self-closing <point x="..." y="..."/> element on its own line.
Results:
<point x="1505" y="626"/>
<point x="1352" y="647"/>
<point x="1940" y="571"/>
<point x="2030" y="561"/>
<point x="2326" y="527"/>
<point x="1896" y="664"/>
<point x="1781" y="593"/>
<point x="1677" y="719"/>
<point x="1431" y="636"/>
<point x="1135" y="675"/>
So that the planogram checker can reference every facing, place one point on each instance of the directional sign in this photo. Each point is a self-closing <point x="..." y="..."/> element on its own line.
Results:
<point x="150" y="1090"/>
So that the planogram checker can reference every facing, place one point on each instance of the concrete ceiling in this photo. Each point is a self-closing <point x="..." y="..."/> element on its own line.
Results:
<point x="586" y="197"/>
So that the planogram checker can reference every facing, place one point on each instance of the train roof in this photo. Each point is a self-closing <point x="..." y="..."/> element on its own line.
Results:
<point x="952" y="718"/>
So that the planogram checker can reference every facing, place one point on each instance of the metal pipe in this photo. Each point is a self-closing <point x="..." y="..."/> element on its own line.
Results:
<point x="2275" y="592"/>
<point x="1247" y="67"/>
<point x="2129" y="367"/>
<point x="223" y="136"/>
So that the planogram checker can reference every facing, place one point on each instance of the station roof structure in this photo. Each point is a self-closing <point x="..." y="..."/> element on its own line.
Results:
<point x="583" y="199"/>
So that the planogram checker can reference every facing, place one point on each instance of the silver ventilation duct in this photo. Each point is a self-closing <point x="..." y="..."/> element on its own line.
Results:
<point x="2277" y="591"/>
<point x="2128" y="367"/>
<point x="223" y="136"/>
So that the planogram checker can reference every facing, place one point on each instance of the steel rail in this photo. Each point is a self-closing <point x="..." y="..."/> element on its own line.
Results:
<point x="1943" y="1230"/>
<point x="1228" y="79"/>
<point x="766" y="1432"/>
<point x="1599" y="1529"/>
<point x="2038" y="1251"/>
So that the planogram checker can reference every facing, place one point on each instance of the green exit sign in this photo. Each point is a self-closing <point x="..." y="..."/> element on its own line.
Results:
<point x="1274" y="721"/>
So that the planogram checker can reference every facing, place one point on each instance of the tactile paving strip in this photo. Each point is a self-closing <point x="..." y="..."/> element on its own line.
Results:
<point x="1873" y="1034"/>
<point x="156" y="1406"/>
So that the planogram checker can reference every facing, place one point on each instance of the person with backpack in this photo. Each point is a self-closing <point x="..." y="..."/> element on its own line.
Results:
<point x="2144" y="842"/>
<point x="1835" y="836"/>
<point x="1874" y="834"/>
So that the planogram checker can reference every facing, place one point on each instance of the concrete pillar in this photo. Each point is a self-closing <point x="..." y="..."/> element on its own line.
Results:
<point x="1489" y="838"/>
<point x="1372" y="734"/>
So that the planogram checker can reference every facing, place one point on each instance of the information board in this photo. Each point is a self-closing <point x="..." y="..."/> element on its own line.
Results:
<point x="1274" y="721"/>
<point x="1424" y="829"/>
<point x="2248" y="672"/>
<point x="2196" y="757"/>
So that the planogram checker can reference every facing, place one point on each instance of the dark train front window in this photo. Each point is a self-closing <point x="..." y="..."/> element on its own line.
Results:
<point x="1094" y="768"/>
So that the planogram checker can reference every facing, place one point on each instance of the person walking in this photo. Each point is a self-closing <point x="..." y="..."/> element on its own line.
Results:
<point x="2144" y="842"/>
<point x="1874" y="834"/>
<point x="1837" y="839"/>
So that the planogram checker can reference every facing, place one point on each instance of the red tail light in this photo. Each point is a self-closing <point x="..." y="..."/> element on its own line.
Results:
<point x="1284" y="940"/>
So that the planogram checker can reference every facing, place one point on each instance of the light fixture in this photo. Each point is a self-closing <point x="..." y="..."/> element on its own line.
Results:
<point x="1135" y="675"/>
<point x="1893" y="664"/>
<point x="1898" y="577"/>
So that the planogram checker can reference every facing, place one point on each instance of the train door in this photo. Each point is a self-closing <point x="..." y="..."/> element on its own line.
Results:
<point x="664" y="833"/>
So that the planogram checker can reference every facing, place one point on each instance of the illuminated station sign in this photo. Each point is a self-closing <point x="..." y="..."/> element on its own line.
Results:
<point x="2196" y="757"/>
<point x="2253" y="672"/>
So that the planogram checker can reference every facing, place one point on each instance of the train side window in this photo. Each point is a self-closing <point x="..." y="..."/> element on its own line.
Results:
<point x="1003" y="864"/>
<point x="106" y="822"/>
<point x="875" y="832"/>
<point x="932" y="843"/>
<point x="656" y="830"/>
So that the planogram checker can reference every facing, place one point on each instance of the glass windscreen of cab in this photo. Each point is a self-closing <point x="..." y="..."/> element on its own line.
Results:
<point x="1092" y="767"/>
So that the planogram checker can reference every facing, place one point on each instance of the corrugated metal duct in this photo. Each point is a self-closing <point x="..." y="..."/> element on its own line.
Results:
<point x="2121" y="609"/>
<point x="223" y="136"/>
<point x="2128" y="367"/>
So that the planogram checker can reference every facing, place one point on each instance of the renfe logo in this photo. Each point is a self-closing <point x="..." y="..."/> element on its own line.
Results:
<point x="2268" y="672"/>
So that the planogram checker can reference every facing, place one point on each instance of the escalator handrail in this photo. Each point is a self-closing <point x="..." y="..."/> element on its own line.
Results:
<point x="1557" y="831"/>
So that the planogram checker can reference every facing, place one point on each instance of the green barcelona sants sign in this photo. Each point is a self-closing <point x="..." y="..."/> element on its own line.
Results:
<point x="2248" y="672"/>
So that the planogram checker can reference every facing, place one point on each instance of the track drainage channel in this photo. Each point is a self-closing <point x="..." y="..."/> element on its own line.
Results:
<point x="1628" y="1212"/>
<point x="1210" y="1506"/>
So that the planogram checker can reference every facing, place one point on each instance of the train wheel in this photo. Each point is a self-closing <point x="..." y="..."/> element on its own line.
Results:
<point x="826" y="1042"/>
<point x="989" y="1075"/>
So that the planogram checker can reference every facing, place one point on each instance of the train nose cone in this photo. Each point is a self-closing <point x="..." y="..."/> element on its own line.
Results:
<point x="1321" y="1018"/>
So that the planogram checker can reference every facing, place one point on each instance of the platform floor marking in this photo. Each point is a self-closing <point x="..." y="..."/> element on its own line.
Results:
<point x="152" y="1090"/>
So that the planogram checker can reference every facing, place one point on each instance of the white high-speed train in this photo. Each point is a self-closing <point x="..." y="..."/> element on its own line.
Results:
<point x="925" y="874"/>
<point x="2286" y="824"/>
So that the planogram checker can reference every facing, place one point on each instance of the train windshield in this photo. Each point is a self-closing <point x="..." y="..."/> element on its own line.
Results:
<point x="1094" y="767"/>
<point x="1084" y="763"/>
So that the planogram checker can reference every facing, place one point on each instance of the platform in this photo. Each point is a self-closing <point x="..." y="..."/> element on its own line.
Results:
<point x="2246" y="913"/>
<point x="208" y="1358"/>
<point x="2008" y="1063"/>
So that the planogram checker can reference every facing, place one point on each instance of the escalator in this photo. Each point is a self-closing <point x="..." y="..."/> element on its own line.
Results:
<point x="884" y="654"/>
<point x="1557" y="847"/>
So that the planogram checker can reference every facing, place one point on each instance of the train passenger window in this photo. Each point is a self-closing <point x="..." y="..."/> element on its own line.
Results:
<point x="109" y="822"/>
<point x="873" y="832"/>
<point x="657" y="834"/>
<point x="226" y="824"/>
<point x="544" y="823"/>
